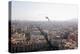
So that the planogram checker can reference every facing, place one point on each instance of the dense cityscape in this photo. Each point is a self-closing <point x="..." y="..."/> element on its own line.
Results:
<point x="43" y="35"/>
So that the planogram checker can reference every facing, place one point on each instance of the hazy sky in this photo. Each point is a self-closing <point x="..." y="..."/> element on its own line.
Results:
<point x="36" y="11"/>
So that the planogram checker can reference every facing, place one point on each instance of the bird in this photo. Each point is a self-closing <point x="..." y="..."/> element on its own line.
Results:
<point x="47" y="18"/>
